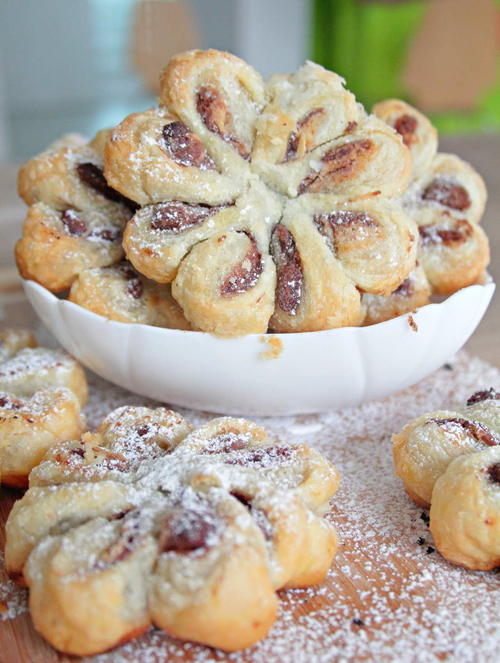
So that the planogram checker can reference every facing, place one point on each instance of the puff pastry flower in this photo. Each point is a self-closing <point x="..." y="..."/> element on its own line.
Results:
<point x="147" y="521"/>
<point x="450" y="461"/>
<point x="42" y="392"/>
<point x="263" y="205"/>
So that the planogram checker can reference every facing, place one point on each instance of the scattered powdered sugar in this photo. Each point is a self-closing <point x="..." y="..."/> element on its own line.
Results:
<point x="389" y="595"/>
<point x="13" y="599"/>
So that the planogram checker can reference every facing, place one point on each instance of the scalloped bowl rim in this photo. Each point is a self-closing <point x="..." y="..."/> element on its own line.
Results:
<point x="169" y="331"/>
<point x="375" y="353"/>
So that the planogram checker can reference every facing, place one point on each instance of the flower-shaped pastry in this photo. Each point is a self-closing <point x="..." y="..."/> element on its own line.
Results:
<point x="75" y="220"/>
<point x="446" y="198"/>
<point x="264" y="205"/>
<point x="41" y="392"/>
<point x="152" y="522"/>
<point x="450" y="460"/>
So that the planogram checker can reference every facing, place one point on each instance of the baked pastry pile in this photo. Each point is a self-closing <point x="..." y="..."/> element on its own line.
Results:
<point x="41" y="393"/>
<point x="147" y="521"/>
<point x="446" y="198"/>
<point x="249" y="206"/>
<point x="450" y="460"/>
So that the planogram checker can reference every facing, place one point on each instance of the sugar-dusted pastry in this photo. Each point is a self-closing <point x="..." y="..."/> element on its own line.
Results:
<point x="418" y="134"/>
<point x="465" y="510"/>
<point x="31" y="369"/>
<point x="369" y="160"/>
<point x="75" y="220"/>
<point x="69" y="175"/>
<point x="41" y="392"/>
<point x="425" y="446"/>
<point x="219" y="97"/>
<point x="153" y="523"/>
<point x="304" y="110"/>
<point x="214" y="168"/>
<point x="412" y="293"/>
<point x="155" y="157"/>
<point x="160" y="236"/>
<point x="241" y="443"/>
<point x="57" y="246"/>
<point x="327" y="250"/>
<point x="120" y="293"/>
<point x="13" y="340"/>
<point x="446" y="199"/>
<point x="447" y="203"/>
<point x="126" y="438"/>
<point x="450" y="460"/>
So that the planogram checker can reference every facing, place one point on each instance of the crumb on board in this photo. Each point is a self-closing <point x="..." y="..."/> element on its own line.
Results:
<point x="274" y="347"/>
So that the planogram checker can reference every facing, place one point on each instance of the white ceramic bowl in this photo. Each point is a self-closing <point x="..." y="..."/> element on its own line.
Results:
<point x="314" y="372"/>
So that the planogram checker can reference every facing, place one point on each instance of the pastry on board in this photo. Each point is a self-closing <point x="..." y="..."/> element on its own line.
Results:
<point x="153" y="522"/>
<point x="41" y="395"/>
<point x="450" y="461"/>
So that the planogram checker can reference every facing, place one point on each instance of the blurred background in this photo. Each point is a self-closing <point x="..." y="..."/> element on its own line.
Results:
<point x="79" y="65"/>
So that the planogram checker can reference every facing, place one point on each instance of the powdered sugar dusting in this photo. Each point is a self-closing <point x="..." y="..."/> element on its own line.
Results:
<point x="389" y="595"/>
<point x="13" y="599"/>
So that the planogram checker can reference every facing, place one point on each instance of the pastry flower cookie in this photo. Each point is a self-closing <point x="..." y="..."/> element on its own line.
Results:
<point x="41" y="393"/>
<point x="155" y="523"/>
<point x="446" y="199"/>
<point x="264" y="205"/>
<point x="450" y="460"/>
<point x="75" y="220"/>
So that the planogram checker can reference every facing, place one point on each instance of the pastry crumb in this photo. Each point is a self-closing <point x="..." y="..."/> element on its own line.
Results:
<point x="274" y="347"/>
<point x="412" y="323"/>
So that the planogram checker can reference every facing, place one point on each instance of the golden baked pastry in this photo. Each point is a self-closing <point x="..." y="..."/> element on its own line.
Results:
<point x="413" y="292"/>
<point x="326" y="251"/>
<point x="418" y="134"/>
<point x="450" y="460"/>
<point x="152" y="523"/>
<point x="41" y="392"/>
<point x="120" y="293"/>
<point x="446" y="199"/>
<point x="465" y="511"/>
<point x="226" y="166"/>
<point x="75" y="220"/>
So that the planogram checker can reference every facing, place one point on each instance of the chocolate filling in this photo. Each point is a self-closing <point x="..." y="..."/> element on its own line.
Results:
<point x="406" y="125"/>
<point x="339" y="164"/>
<point x="185" y="531"/>
<point x="405" y="289"/>
<point x="447" y="193"/>
<point x="184" y="147"/>
<point x="262" y="456"/>
<point x="306" y="127"/>
<point x="290" y="277"/>
<point x="176" y="216"/>
<point x="216" y="117"/>
<point x="259" y="516"/>
<point x="433" y="234"/>
<point x="245" y="274"/>
<point x="225" y="443"/>
<point x="484" y="395"/>
<point x="72" y="223"/>
<point x="473" y="428"/>
<point x="494" y="473"/>
<point x="92" y="176"/>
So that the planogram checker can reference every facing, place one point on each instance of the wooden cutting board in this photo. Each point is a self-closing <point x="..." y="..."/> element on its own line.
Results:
<point x="389" y="595"/>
